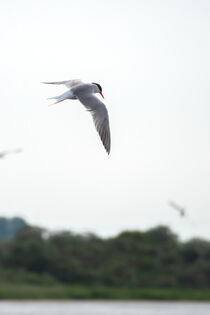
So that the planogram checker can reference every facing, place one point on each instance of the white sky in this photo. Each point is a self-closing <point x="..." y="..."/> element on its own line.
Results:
<point x="152" y="60"/>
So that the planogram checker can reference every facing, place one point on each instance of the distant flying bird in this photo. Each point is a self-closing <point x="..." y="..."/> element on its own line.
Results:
<point x="84" y="92"/>
<point x="3" y="154"/>
<point x="178" y="208"/>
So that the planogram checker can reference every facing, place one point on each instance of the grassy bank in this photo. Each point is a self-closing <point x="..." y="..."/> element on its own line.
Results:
<point x="25" y="291"/>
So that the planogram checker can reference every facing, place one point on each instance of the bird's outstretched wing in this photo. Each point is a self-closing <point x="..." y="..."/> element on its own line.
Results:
<point x="100" y="117"/>
<point x="69" y="83"/>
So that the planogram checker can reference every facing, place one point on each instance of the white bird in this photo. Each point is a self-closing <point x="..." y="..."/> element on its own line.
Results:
<point x="84" y="92"/>
<point x="178" y="208"/>
<point x="4" y="153"/>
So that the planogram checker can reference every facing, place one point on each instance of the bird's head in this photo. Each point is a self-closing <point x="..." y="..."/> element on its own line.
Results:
<point x="98" y="88"/>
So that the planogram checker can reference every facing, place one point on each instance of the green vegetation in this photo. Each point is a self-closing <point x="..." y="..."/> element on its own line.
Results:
<point x="26" y="291"/>
<point x="133" y="265"/>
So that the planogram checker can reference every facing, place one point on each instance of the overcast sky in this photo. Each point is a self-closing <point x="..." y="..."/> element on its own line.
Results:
<point x="152" y="60"/>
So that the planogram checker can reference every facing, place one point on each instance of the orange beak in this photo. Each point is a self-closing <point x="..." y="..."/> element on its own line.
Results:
<point x="101" y="94"/>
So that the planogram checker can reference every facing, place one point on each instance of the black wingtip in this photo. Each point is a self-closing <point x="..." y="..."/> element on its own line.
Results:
<point x="107" y="151"/>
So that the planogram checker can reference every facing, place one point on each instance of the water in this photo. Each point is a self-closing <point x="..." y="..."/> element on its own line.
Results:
<point x="103" y="308"/>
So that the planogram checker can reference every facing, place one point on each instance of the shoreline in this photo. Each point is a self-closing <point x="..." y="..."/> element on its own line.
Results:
<point x="79" y="292"/>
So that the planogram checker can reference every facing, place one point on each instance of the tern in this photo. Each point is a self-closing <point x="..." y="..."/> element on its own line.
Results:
<point x="84" y="92"/>
<point x="178" y="208"/>
<point x="4" y="153"/>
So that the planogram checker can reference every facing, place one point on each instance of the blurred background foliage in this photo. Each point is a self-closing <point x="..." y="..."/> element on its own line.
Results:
<point x="154" y="258"/>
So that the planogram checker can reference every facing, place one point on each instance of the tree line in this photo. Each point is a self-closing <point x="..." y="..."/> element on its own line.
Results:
<point x="154" y="258"/>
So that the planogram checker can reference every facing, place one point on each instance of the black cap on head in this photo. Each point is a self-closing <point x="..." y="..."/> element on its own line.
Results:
<point x="98" y="85"/>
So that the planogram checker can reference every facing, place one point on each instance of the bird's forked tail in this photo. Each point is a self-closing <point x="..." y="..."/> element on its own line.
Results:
<point x="62" y="97"/>
<point x="56" y="98"/>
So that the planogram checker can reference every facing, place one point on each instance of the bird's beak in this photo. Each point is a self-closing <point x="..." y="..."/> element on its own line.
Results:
<point x="101" y="94"/>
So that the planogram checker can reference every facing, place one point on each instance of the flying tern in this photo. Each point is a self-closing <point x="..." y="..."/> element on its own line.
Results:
<point x="84" y="92"/>
<point x="178" y="208"/>
<point x="4" y="153"/>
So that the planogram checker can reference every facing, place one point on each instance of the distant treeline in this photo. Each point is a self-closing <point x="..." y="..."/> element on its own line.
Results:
<point x="135" y="259"/>
<point x="9" y="227"/>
